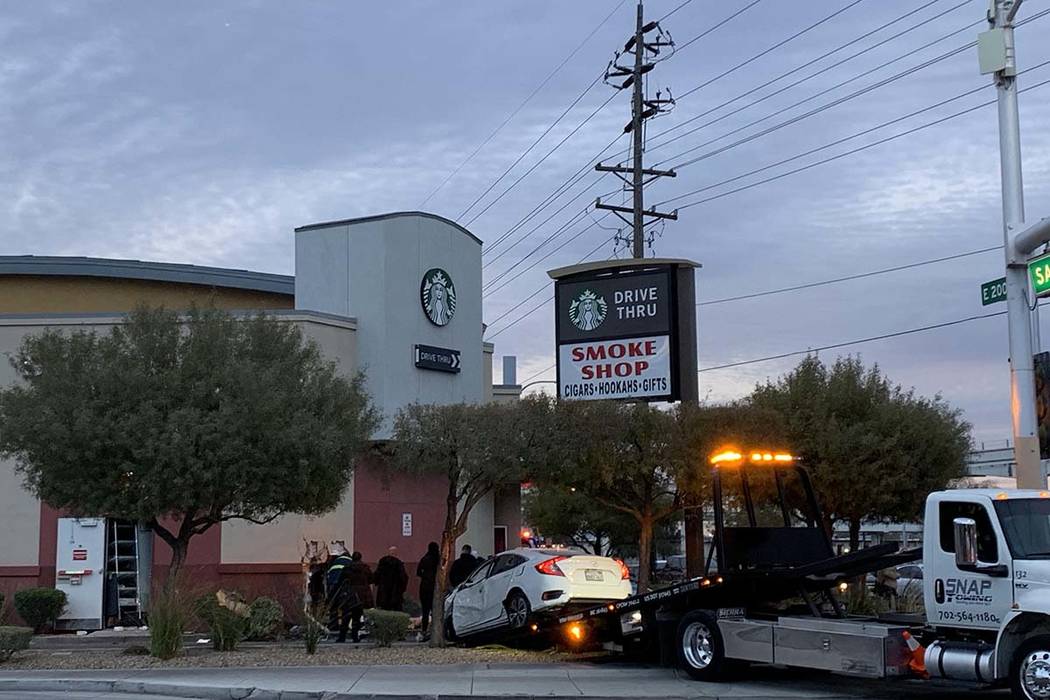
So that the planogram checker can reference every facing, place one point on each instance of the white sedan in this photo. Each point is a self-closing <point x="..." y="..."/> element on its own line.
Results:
<point x="507" y="591"/>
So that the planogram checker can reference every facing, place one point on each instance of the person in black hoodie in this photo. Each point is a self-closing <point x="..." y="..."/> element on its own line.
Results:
<point x="462" y="567"/>
<point x="427" y="573"/>
<point x="391" y="580"/>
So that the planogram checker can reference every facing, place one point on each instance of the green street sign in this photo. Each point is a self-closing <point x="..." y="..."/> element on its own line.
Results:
<point x="1039" y="274"/>
<point x="994" y="291"/>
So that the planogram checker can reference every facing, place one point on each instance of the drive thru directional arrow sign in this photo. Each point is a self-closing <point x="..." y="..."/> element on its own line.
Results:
<point x="438" y="359"/>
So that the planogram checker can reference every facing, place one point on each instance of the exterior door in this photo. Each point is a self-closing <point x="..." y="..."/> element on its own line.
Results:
<point x="966" y="598"/>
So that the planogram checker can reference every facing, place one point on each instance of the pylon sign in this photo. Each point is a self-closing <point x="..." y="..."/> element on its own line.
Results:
<point x="626" y="330"/>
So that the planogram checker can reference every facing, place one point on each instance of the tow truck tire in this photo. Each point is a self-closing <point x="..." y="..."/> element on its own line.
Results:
<point x="1030" y="668"/>
<point x="699" y="646"/>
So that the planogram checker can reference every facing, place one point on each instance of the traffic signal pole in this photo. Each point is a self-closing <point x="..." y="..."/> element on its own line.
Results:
<point x="998" y="56"/>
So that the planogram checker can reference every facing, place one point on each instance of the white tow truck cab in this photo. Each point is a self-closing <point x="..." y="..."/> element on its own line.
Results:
<point x="771" y="596"/>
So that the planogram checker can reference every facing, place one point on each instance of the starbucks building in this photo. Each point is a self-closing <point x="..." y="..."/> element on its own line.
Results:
<point x="396" y="296"/>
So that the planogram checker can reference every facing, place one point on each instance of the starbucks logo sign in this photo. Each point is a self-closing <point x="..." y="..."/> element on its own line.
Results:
<point x="587" y="310"/>
<point x="437" y="293"/>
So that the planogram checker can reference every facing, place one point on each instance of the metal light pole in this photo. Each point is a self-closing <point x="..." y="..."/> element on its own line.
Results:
<point x="998" y="56"/>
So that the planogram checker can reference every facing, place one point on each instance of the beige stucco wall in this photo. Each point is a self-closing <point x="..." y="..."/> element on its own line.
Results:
<point x="486" y="370"/>
<point x="25" y="294"/>
<point x="479" y="534"/>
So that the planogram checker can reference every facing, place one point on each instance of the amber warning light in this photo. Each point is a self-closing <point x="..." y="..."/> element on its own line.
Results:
<point x="731" y="458"/>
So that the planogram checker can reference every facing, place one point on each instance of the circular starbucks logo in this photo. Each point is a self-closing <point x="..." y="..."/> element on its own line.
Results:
<point x="587" y="310"/>
<point x="438" y="296"/>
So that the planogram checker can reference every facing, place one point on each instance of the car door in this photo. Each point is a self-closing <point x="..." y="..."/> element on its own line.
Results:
<point x="469" y="602"/>
<point x="504" y="572"/>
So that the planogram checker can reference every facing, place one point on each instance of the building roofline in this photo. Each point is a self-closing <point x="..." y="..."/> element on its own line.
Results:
<point x="381" y="217"/>
<point x="61" y="266"/>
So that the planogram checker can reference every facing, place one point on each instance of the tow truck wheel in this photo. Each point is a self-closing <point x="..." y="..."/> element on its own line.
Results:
<point x="1030" y="669"/>
<point x="701" y="652"/>
<point x="518" y="610"/>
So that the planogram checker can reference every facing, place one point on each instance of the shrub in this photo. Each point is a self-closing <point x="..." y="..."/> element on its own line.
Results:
<point x="169" y="614"/>
<point x="227" y="627"/>
<point x="39" y="606"/>
<point x="13" y="639"/>
<point x="265" y="618"/>
<point x="313" y="629"/>
<point x="388" y="626"/>
<point x="3" y="609"/>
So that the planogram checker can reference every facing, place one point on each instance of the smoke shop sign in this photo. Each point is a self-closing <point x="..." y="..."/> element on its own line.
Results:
<point x="615" y="334"/>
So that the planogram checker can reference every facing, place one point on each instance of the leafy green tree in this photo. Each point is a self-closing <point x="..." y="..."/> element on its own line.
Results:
<point x="477" y="448"/>
<point x="875" y="449"/>
<point x="621" y="456"/>
<point x="184" y="422"/>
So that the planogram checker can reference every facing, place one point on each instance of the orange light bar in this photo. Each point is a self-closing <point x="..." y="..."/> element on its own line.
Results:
<point x="726" y="456"/>
<point x="1044" y="494"/>
<point x="1002" y="496"/>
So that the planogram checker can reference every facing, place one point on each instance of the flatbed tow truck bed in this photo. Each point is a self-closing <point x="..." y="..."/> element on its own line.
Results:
<point x="739" y="589"/>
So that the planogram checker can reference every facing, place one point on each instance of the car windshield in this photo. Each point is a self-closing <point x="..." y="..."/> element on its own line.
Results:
<point x="1026" y="524"/>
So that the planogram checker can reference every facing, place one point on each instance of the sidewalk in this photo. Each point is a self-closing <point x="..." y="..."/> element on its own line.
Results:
<point x="475" y="681"/>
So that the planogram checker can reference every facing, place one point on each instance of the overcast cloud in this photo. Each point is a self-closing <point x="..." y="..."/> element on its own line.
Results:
<point x="204" y="132"/>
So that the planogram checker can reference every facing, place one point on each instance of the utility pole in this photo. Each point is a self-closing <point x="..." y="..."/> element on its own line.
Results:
<point x="641" y="110"/>
<point x="997" y="54"/>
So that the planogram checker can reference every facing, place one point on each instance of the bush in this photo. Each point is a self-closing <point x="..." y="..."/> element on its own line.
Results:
<point x="39" y="606"/>
<point x="13" y="639"/>
<point x="169" y="614"/>
<point x="265" y="618"/>
<point x="3" y="609"/>
<point x="226" y="627"/>
<point x="313" y="629"/>
<point x="388" y="626"/>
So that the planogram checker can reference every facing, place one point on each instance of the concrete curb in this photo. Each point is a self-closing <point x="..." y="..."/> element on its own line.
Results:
<point x="145" y="689"/>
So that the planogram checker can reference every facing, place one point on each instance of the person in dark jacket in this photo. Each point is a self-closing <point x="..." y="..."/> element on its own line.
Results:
<point x="462" y="567"/>
<point x="427" y="573"/>
<point x="338" y="594"/>
<point x="391" y="580"/>
<point x="359" y="579"/>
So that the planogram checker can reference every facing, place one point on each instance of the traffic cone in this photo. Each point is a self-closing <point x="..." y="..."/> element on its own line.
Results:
<point x="917" y="662"/>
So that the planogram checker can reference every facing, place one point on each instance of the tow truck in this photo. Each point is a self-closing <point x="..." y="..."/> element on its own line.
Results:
<point x="771" y="588"/>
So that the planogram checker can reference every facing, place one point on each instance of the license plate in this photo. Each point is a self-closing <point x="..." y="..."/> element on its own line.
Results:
<point x="593" y="575"/>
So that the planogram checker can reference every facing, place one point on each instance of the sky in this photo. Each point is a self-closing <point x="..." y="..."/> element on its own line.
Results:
<point x="204" y="132"/>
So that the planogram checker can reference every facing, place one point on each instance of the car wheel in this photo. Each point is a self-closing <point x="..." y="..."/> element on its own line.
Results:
<point x="1030" y="669"/>
<point x="700" y="649"/>
<point x="518" y="610"/>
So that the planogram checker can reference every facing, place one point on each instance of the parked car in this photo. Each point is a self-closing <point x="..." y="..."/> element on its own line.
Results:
<point x="909" y="579"/>
<point x="509" y="590"/>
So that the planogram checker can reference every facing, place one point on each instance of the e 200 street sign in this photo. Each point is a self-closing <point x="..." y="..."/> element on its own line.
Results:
<point x="1039" y="274"/>
<point x="994" y="291"/>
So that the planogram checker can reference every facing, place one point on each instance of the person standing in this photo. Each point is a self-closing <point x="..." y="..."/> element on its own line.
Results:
<point x="359" y="580"/>
<point x="338" y="594"/>
<point x="391" y="581"/>
<point x="462" y="567"/>
<point x="427" y="573"/>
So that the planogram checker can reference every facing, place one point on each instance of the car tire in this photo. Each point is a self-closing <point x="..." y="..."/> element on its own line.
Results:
<point x="700" y="648"/>
<point x="518" y="610"/>
<point x="1030" y="656"/>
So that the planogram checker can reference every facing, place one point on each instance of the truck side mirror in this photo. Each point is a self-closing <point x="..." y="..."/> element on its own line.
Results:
<point x="965" y="542"/>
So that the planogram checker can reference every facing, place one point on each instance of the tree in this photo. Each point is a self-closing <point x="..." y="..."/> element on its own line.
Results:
<point x="477" y="448"/>
<point x="621" y="456"/>
<point x="184" y="423"/>
<point x="875" y="449"/>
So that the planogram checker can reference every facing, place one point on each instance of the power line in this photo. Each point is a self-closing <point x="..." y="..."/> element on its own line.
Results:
<point x="847" y="278"/>
<point x="833" y="346"/>
<point x="717" y="25"/>
<point x="847" y="343"/>
<point x="674" y="10"/>
<point x="767" y="51"/>
<point x="531" y="146"/>
<point x="830" y="158"/>
<point x="815" y="74"/>
<point x="548" y="254"/>
<point x="522" y="105"/>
